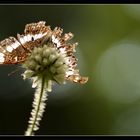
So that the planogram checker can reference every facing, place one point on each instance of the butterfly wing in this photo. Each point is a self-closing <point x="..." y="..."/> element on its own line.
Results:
<point x="11" y="51"/>
<point x="34" y="35"/>
<point x="15" y="51"/>
<point x="78" y="79"/>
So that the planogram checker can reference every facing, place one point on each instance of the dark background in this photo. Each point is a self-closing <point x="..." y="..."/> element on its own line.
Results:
<point x="108" y="53"/>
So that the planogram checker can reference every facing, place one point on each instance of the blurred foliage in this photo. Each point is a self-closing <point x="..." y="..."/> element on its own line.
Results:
<point x="108" y="53"/>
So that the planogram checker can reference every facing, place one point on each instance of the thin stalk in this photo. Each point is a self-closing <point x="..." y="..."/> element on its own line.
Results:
<point x="38" y="108"/>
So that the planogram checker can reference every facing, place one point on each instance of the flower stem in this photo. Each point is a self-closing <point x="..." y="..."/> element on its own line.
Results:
<point x="38" y="108"/>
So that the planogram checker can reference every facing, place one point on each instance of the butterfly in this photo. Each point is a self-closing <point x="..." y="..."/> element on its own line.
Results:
<point x="16" y="50"/>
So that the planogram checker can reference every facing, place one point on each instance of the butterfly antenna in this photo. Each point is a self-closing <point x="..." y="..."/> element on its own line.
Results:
<point x="13" y="72"/>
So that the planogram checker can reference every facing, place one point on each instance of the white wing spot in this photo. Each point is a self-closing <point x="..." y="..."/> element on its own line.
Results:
<point x="1" y="54"/>
<point x="25" y="38"/>
<point x="35" y="37"/>
<point x="9" y="48"/>
<point x="56" y="41"/>
<point x="38" y="36"/>
<point x="15" y="45"/>
<point x="22" y="40"/>
<point x="29" y="37"/>
<point x="68" y="73"/>
<point x="1" y="57"/>
<point x="63" y="50"/>
<point x="15" y="58"/>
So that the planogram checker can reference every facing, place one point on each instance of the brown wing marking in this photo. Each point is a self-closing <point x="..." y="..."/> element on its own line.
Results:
<point x="34" y="35"/>
<point x="78" y="79"/>
<point x="12" y="50"/>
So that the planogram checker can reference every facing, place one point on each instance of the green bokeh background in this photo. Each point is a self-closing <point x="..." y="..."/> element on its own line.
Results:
<point x="108" y="53"/>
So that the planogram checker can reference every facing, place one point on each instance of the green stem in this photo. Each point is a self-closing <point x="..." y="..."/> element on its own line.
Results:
<point x="38" y="108"/>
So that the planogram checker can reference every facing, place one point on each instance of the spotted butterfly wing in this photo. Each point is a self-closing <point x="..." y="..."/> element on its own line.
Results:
<point x="11" y="51"/>
<point x="15" y="51"/>
<point x="78" y="79"/>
